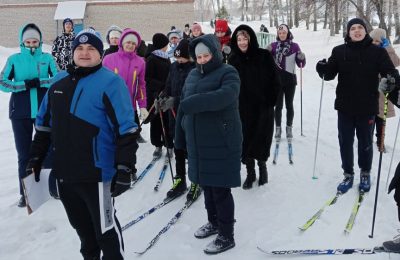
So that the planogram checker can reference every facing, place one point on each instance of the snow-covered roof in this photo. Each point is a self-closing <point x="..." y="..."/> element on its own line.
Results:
<point x="70" y="9"/>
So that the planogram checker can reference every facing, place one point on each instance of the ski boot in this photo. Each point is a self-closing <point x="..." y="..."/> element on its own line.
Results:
<point x="206" y="230"/>
<point x="346" y="184"/>
<point x="219" y="245"/>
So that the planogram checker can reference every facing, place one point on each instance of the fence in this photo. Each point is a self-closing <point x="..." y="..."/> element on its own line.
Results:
<point x="264" y="39"/>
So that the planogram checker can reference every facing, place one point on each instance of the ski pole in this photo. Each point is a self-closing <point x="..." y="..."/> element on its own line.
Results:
<point x="391" y="159"/>
<point x="319" y="120"/>
<point x="148" y="117"/>
<point x="385" y="108"/>
<point x="301" y="99"/>
<point x="166" y="144"/>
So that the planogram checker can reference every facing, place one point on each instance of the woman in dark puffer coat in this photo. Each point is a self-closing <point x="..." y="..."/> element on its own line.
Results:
<point x="208" y="126"/>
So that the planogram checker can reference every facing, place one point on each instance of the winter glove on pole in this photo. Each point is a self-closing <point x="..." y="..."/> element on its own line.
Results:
<point x="122" y="180"/>
<point x="143" y="113"/>
<point x="388" y="84"/>
<point x="167" y="103"/>
<point x="322" y="67"/>
<point x="32" y="83"/>
<point x="34" y="166"/>
<point x="301" y="56"/>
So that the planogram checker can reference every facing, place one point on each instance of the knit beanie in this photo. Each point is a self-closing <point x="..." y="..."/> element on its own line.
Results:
<point x="30" y="33"/>
<point x="196" y="26"/>
<point x="114" y="34"/>
<point x="201" y="48"/>
<point x="285" y="27"/>
<point x="68" y="20"/>
<point x="356" y="21"/>
<point x="378" y="34"/>
<point x="111" y="29"/>
<point x="88" y="36"/>
<point x="159" y="41"/>
<point x="221" y="26"/>
<point x="130" y="37"/>
<point x="174" y="33"/>
<point x="182" y="50"/>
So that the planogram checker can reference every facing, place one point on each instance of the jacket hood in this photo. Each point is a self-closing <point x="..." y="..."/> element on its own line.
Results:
<point x="253" y="43"/>
<point x="211" y="41"/>
<point x="126" y="32"/>
<point x="25" y="27"/>
<point x="112" y="28"/>
<point x="21" y="32"/>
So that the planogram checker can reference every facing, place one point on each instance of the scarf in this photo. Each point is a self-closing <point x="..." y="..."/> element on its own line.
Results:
<point x="283" y="49"/>
<point x="161" y="54"/>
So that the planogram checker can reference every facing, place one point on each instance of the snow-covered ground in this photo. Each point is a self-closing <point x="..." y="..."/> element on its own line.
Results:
<point x="268" y="216"/>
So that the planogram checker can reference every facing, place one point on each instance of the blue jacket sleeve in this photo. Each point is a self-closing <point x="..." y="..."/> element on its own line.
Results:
<point x="121" y="118"/>
<point x="7" y="84"/>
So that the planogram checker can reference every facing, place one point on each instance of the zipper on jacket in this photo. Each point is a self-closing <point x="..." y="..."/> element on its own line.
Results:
<point x="77" y="101"/>
<point x="96" y="153"/>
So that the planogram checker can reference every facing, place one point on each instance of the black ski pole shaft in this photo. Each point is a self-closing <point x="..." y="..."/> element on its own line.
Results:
<point x="166" y="144"/>
<point x="319" y="120"/>
<point x="381" y="145"/>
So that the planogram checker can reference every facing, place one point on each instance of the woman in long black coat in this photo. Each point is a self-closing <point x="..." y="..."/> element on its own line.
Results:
<point x="259" y="89"/>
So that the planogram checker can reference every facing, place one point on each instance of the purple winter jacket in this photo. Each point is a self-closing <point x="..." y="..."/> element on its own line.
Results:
<point x="131" y="68"/>
<point x="288" y="62"/>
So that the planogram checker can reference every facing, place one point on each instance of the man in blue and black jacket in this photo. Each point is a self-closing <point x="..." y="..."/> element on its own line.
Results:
<point x="88" y="116"/>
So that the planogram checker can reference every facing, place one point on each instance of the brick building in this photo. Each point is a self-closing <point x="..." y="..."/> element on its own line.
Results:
<point x="145" y="16"/>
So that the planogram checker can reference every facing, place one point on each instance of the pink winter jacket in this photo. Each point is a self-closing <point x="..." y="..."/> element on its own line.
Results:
<point x="131" y="68"/>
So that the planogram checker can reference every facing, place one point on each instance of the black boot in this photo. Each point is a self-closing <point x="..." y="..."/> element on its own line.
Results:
<point x="251" y="174"/>
<point x="263" y="173"/>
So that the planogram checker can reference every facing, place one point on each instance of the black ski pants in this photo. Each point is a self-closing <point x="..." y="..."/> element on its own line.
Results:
<point x="220" y="209"/>
<point x="156" y="131"/>
<point x="363" y="127"/>
<point x="286" y="92"/>
<point x="23" y="135"/>
<point x="90" y="210"/>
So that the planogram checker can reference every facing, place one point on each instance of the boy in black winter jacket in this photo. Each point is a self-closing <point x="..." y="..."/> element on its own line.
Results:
<point x="358" y="64"/>
<point x="176" y="79"/>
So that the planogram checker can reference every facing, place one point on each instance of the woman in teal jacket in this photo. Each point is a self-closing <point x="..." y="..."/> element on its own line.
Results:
<point x="27" y="75"/>
<point x="208" y="126"/>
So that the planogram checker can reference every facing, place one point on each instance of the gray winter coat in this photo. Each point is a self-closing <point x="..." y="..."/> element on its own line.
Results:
<point x="208" y="122"/>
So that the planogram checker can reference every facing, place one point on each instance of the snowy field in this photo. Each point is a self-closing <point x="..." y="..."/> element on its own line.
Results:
<point x="268" y="216"/>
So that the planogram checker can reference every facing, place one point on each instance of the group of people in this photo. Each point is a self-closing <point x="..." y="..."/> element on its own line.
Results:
<point x="211" y="99"/>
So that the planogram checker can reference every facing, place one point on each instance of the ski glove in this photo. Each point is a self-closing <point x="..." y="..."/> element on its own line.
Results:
<point x="122" y="180"/>
<point x="322" y="67"/>
<point x="34" y="166"/>
<point x="388" y="84"/>
<point x="301" y="56"/>
<point x="32" y="83"/>
<point x="143" y="113"/>
<point x="167" y="103"/>
<point x="156" y="106"/>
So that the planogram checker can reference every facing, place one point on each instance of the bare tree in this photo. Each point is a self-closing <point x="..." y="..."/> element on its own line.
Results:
<point x="389" y="15"/>
<point x="271" y="13"/>
<point x="381" y="13"/>
<point x="296" y="13"/>
<point x="337" y="18"/>
<point x="396" y="22"/>
<point x="315" y="15"/>
<point x="327" y="6"/>
<point x="290" y="18"/>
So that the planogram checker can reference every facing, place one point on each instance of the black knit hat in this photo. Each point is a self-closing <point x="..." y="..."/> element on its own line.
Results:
<point x="356" y="21"/>
<point x="182" y="50"/>
<point x="68" y="20"/>
<point x="159" y="41"/>
<point x="88" y="36"/>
